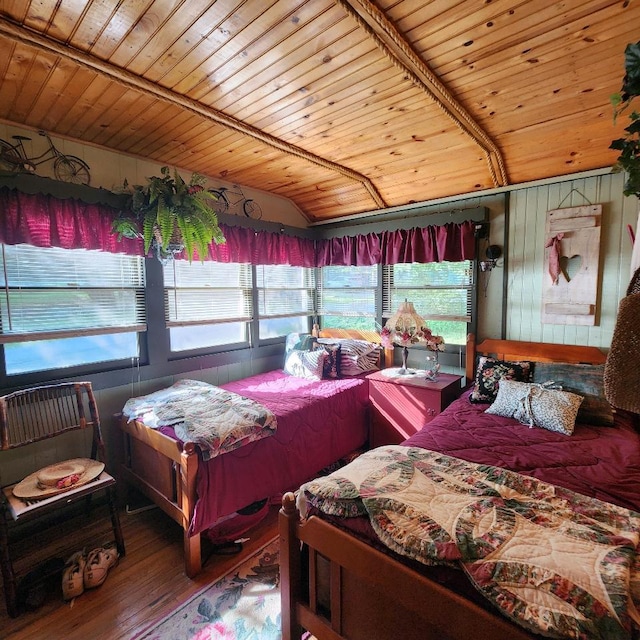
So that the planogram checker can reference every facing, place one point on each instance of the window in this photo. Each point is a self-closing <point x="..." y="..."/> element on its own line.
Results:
<point x="207" y="304"/>
<point x="347" y="297"/>
<point x="441" y="292"/>
<point x="69" y="307"/>
<point x="285" y="299"/>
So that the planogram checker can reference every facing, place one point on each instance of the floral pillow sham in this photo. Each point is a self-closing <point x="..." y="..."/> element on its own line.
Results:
<point x="489" y="373"/>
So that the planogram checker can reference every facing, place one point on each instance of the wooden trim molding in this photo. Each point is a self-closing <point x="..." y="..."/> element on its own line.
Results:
<point x="138" y="83"/>
<point x="401" y="54"/>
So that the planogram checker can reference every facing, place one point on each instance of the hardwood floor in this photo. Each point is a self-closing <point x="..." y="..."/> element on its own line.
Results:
<point x="147" y="583"/>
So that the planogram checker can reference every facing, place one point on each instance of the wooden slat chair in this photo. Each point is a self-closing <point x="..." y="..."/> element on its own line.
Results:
<point x="33" y="415"/>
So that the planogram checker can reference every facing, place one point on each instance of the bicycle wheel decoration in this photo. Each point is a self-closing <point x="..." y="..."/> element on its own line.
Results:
<point x="220" y="203"/>
<point x="71" y="169"/>
<point x="10" y="160"/>
<point x="252" y="209"/>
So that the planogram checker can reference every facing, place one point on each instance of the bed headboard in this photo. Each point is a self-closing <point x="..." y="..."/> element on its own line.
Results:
<point x="386" y="359"/>
<point x="535" y="351"/>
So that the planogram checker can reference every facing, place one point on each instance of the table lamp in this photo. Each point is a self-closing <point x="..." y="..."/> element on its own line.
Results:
<point x="405" y="327"/>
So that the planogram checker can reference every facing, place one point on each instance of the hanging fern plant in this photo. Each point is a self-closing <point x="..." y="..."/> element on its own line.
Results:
<point x="629" y="145"/>
<point x="171" y="215"/>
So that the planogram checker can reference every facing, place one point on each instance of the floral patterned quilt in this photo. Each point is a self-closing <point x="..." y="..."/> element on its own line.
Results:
<point x="556" y="562"/>
<point x="215" y="419"/>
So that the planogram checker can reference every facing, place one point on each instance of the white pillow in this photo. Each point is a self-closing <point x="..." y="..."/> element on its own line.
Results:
<point x="305" y="364"/>
<point x="537" y="406"/>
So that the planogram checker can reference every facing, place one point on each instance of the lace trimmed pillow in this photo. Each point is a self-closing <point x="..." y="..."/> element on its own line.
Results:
<point x="537" y="405"/>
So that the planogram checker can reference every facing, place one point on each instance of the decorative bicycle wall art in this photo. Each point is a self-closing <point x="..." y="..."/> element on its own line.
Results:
<point x="228" y="200"/>
<point x="66" y="168"/>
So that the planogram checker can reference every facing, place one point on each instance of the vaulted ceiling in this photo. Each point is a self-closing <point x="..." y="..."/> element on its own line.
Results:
<point x="343" y="106"/>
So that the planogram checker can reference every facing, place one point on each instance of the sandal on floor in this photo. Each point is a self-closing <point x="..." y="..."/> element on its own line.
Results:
<point x="99" y="561"/>
<point x="73" y="576"/>
<point x="227" y="548"/>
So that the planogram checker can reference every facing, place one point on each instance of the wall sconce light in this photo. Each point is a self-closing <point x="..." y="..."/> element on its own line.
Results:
<point x="493" y="253"/>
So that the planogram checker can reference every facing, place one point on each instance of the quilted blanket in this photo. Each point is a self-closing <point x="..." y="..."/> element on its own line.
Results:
<point x="556" y="562"/>
<point x="215" y="419"/>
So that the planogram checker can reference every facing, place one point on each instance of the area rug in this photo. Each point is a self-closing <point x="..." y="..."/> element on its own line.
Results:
<point x="243" y="605"/>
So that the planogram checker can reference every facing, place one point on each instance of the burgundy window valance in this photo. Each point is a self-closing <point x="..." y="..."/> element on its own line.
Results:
<point x="262" y="247"/>
<point x="42" y="220"/>
<point x="363" y="250"/>
<point x="452" y="242"/>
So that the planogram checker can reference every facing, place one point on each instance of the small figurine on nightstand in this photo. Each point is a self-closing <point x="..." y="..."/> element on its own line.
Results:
<point x="434" y="344"/>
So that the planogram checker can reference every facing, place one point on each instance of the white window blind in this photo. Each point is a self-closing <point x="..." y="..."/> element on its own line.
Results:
<point x="438" y="290"/>
<point x="59" y="293"/>
<point x="348" y="291"/>
<point x="207" y="293"/>
<point x="285" y="291"/>
<point x="442" y="293"/>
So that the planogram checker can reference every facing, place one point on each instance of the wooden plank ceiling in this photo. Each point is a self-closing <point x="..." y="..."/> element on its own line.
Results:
<point x="343" y="106"/>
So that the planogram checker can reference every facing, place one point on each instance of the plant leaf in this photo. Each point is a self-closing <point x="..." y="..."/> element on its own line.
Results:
<point x="631" y="81"/>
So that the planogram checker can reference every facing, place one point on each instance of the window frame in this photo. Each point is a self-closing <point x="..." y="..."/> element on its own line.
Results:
<point x="389" y="306"/>
<point x="20" y="379"/>
<point x="247" y="292"/>
<point x="308" y="274"/>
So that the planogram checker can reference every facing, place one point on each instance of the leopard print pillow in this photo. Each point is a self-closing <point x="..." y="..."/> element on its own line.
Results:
<point x="537" y="406"/>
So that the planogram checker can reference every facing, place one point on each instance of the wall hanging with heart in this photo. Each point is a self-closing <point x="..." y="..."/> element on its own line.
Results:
<point x="571" y="266"/>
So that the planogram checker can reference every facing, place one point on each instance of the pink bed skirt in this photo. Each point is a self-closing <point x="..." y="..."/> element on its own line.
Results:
<point x="318" y="423"/>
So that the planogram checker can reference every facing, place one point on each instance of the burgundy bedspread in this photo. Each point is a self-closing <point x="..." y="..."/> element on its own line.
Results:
<point x="318" y="423"/>
<point x="603" y="462"/>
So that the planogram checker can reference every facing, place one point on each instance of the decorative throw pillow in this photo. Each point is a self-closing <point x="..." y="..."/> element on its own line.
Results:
<point x="332" y="362"/>
<point x="298" y="341"/>
<point x="305" y="364"/>
<point x="537" y="406"/>
<point x="587" y="380"/>
<point x="356" y="356"/>
<point x="489" y="373"/>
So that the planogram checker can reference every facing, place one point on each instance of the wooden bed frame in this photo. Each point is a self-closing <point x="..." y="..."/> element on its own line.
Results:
<point x="165" y="472"/>
<point x="372" y="595"/>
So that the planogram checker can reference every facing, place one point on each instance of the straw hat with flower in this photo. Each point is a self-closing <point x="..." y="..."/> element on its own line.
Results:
<point x="58" y="477"/>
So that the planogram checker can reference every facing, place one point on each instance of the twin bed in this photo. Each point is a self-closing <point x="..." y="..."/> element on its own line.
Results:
<point x="356" y="577"/>
<point x="318" y="423"/>
<point x="354" y="565"/>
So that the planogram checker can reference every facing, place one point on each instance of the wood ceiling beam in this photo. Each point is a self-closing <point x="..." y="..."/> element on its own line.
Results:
<point x="132" y="81"/>
<point x="401" y="54"/>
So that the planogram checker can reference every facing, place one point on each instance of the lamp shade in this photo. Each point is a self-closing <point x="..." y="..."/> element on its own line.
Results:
<point x="405" y="327"/>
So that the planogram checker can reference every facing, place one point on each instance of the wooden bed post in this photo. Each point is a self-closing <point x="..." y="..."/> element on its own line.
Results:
<point x="470" y="358"/>
<point x="290" y="567"/>
<point x="187" y="502"/>
<point x="165" y="472"/>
